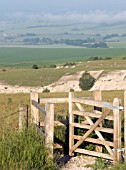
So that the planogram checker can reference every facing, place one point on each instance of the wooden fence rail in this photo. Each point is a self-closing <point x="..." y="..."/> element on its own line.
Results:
<point x="92" y="122"/>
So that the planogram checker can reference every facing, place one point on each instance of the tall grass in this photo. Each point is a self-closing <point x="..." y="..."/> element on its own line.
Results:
<point x="24" y="150"/>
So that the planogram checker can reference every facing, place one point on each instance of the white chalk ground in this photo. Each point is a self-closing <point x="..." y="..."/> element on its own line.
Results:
<point x="113" y="80"/>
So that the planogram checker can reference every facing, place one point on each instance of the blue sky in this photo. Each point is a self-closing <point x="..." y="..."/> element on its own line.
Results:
<point x="53" y="6"/>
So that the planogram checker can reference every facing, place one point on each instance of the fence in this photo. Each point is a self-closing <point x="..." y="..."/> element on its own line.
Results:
<point x="92" y="122"/>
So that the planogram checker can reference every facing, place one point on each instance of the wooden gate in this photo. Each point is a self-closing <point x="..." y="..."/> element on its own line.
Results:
<point x="95" y="115"/>
<point x="93" y="123"/>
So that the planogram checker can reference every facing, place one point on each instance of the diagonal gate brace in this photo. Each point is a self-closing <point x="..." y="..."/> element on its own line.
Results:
<point x="103" y="116"/>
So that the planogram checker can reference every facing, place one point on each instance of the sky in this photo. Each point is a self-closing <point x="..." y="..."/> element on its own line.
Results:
<point x="99" y="11"/>
<point x="61" y="5"/>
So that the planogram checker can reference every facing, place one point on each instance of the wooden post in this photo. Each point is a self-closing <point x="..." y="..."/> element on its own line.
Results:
<point x="34" y="110"/>
<point x="125" y="123"/>
<point x="23" y="117"/>
<point x="98" y="110"/>
<point x="49" y="127"/>
<point x="71" y="120"/>
<point x="98" y="96"/>
<point x="117" y="131"/>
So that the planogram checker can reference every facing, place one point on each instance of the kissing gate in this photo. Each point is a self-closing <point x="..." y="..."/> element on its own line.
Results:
<point x="93" y="120"/>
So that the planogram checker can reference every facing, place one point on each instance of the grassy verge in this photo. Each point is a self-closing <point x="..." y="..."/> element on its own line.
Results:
<point x="24" y="150"/>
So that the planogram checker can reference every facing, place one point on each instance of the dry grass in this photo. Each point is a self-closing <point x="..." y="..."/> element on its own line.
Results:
<point x="46" y="76"/>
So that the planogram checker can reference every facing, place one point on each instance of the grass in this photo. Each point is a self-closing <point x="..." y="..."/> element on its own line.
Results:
<point x="24" y="150"/>
<point x="46" y="76"/>
<point x="24" y="57"/>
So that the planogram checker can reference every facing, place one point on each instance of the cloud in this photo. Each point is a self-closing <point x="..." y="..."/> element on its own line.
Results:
<point x="98" y="17"/>
<point x="90" y="17"/>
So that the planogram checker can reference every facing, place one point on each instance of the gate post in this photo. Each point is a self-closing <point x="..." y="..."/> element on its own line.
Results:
<point x="34" y="110"/>
<point x="71" y="120"/>
<point x="49" y="127"/>
<point x="23" y="117"/>
<point x="117" y="131"/>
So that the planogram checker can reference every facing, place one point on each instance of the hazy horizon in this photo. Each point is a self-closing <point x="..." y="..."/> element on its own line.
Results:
<point x="73" y="11"/>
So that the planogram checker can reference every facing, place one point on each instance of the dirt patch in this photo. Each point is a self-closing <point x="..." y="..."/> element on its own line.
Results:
<point x="79" y="163"/>
<point x="114" y="80"/>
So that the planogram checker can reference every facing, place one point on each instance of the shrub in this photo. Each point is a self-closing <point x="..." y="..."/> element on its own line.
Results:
<point x="71" y="90"/>
<point x="108" y="58"/>
<point x="35" y="66"/>
<point x="46" y="90"/>
<point x="52" y="66"/>
<point x="124" y="58"/>
<point x="86" y="82"/>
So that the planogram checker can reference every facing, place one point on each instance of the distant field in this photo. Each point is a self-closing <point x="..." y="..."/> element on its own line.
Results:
<point x="117" y="44"/>
<point x="21" y="57"/>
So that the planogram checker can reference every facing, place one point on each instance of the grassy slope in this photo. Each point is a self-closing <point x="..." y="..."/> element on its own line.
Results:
<point x="45" y="76"/>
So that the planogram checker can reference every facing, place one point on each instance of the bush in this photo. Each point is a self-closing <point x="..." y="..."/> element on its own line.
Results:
<point x="124" y="58"/>
<point x="35" y="66"/>
<point x="52" y="66"/>
<point x="46" y="90"/>
<point x="86" y="82"/>
<point x="24" y="150"/>
<point x="108" y="58"/>
<point x="71" y="90"/>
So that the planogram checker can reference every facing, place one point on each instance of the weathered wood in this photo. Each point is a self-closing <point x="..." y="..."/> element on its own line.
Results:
<point x="89" y="102"/>
<point x="93" y="153"/>
<point x="97" y="132"/>
<point x="90" y="130"/>
<point x="94" y="115"/>
<point x="117" y="131"/>
<point x="71" y="120"/>
<point x="23" y="117"/>
<point x="53" y="100"/>
<point x="125" y="123"/>
<point x="39" y="107"/>
<point x="98" y="110"/>
<point x="101" y="129"/>
<point x="96" y="141"/>
<point x="34" y="110"/>
<point x="49" y="127"/>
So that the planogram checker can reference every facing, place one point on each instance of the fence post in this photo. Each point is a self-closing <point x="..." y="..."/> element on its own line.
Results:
<point x="71" y="120"/>
<point x="49" y="127"/>
<point x="125" y="123"/>
<point x="23" y="117"/>
<point x="117" y="131"/>
<point x="34" y="110"/>
<point x="98" y="96"/>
